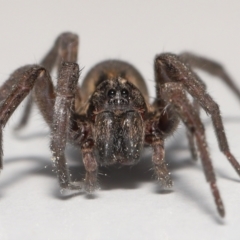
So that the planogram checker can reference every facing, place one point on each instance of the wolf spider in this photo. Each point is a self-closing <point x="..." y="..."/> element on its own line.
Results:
<point x="110" y="118"/>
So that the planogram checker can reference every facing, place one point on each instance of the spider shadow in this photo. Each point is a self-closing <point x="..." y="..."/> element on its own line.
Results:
<point x="129" y="177"/>
<point x="116" y="177"/>
<point x="42" y="167"/>
<point x="39" y="169"/>
<point x="110" y="178"/>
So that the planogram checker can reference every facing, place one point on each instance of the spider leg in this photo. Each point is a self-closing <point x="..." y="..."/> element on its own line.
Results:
<point x="174" y="93"/>
<point x="61" y="122"/>
<point x="65" y="49"/>
<point x="191" y="143"/>
<point x="91" y="166"/>
<point x="15" y="89"/>
<point x="66" y="127"/>
<point x="157" y="129"/>
<point x="80" y="134"/>
<point x="169" y="68"/>
<point x="211" y="67"/>
<point x="160" y="166"/>
<point x="190" y="134"/>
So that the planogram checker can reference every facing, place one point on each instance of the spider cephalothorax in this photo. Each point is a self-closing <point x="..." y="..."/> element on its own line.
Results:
<point x="109" y="117"/>
<point x="117" y="108"/>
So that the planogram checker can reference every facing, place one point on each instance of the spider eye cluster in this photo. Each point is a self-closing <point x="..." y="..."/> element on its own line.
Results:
<point x="118" y="97"/>
<point x="112" y="93"/>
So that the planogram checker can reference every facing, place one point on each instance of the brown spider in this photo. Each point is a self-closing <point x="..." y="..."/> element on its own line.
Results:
<point x="110" y="118"/>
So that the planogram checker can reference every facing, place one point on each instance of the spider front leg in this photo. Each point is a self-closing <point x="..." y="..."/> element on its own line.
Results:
<point x="81" y="135"/>
<point x="160" y="166"/>
<point x="174" y="93"/>
<point x="90" y="163"/>
<point x="170" y="68"/>
<point x="67" y="127"/>
<point x="156" y="130"/>
<point x="61" y="122"/>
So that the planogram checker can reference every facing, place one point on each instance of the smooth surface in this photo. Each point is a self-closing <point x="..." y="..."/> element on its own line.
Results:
<point x="129" y="206"/>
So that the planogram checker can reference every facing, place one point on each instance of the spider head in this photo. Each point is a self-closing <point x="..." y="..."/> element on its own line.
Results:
<point x="116" y="95"/>
<point x="117" y="110"/>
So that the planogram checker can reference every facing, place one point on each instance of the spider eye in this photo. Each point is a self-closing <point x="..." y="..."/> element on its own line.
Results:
<point x="124" y="93"/>
<point x="111" y="93"/>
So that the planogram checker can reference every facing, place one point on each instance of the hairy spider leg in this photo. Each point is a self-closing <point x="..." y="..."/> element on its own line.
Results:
<point x="210" y="67"/>
<point x="174" y="78"/>
<point x="174" y="93"/>
<point x="65" y="49"/>
<point x="174" y="70"/>
<point x="213" y="68"/>
<point x="15" y="89"/>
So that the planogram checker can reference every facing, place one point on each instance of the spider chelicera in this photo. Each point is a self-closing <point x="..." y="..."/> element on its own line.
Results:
<point x="110" y="117"/>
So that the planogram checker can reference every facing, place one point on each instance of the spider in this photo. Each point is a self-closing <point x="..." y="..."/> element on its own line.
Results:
<point x="110" y="117"/>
